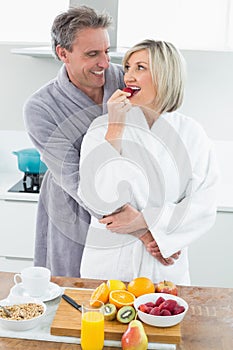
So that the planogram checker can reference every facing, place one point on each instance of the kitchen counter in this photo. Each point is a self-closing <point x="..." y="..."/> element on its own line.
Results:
<point x="208" y="324"/>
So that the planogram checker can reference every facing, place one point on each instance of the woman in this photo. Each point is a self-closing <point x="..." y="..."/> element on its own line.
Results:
<point x="148" y="155"/>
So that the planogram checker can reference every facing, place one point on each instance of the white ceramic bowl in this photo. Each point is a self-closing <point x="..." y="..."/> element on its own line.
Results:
<point x="160" y="321"/>
<point x="21" y="325"/>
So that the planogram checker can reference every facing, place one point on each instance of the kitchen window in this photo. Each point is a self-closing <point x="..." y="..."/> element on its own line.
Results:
<point x="190" y="24"/>
<point x="28" y="20"/>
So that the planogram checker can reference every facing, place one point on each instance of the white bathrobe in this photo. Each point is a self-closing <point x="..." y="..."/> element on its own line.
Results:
<point x="168" y="172"/>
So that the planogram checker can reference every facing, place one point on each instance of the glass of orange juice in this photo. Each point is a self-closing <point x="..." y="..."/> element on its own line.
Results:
<point x="92" y="326"/>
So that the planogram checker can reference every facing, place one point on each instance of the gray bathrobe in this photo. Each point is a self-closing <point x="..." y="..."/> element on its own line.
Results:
<point x="56" y="117"/>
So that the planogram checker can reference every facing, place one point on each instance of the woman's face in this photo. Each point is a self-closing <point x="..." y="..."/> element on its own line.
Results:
<point x="138" y="77"/>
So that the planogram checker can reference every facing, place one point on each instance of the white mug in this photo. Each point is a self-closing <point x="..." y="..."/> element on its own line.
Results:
<point x="35" y="280"/>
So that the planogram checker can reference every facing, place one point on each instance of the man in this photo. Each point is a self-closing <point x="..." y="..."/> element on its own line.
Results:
<point x="56" y="117"/>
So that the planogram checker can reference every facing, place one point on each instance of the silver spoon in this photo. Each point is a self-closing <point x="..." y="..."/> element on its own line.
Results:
<point x="7" y="312"/>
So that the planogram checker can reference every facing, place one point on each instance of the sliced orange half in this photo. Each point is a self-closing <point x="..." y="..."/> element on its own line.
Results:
<point x="121" y="298"/>
<point x="100" y="293"/>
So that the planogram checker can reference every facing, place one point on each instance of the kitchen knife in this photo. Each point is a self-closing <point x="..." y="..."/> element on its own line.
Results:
<point x="72" y="302"/>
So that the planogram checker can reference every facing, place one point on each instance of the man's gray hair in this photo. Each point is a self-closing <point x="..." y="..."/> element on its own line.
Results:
<point x="67" y="25"/>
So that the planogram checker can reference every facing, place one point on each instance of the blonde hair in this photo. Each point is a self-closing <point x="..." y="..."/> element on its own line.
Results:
<point x="167" y="68"/>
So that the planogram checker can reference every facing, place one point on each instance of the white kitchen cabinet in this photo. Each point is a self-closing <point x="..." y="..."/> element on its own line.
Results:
<point x="17" y="210"/>
<point x="211" y="255"/>
<point x="9" y="264"/>
<point x="17" y="234"/>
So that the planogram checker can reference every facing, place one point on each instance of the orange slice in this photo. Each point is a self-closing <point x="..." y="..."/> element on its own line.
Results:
<point x="121" y="298"/>
<point x="140" y="286"/>
<point x="115" y="285"/>
<point x="100" y="293"/>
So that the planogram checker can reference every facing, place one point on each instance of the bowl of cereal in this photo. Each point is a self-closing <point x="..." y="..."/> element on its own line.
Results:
<point x="21" y="314"/>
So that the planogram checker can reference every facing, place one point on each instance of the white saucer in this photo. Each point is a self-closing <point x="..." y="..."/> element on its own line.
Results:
<point x="53" y="291"/>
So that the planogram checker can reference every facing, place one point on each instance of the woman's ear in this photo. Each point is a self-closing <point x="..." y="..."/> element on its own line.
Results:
<point x="62" y="53"/>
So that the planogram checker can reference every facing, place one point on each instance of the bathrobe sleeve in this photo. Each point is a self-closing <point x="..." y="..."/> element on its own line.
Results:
<point x="105" y="176"/>
<point x="177" y="224"/>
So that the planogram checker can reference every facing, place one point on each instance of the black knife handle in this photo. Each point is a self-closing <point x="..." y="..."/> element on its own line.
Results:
<point x="72" y="302"/>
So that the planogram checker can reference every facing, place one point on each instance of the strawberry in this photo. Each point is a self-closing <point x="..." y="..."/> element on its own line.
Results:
<point x="128" y="89"/>
<point x="159" y="301"/>
<point x="150" y="304"/>
<point x="169" y="304"/>
<point x="165" y="312"/>
<point x="178" y="310"/>
<point x="155" y="311"/>
<point x="143" y="308"/>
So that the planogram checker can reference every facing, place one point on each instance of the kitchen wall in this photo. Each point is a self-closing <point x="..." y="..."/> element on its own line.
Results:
<point x="20" y="76"/>
<point x="209" y="91"/>
<point x="210" y="256"/>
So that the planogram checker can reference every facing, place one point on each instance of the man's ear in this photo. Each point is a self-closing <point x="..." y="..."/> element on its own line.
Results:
<point x="62" y="53"/>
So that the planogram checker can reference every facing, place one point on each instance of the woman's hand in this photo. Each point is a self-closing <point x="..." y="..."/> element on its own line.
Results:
<point x="153" y="249"/>
<point x="127" y="220"/>
<point x="118" y="106"/>
<point x="148" y="241"/>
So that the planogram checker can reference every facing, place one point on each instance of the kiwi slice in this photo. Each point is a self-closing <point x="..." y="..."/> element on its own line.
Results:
<point x="110" y="312"/>
<point x="126" y="314"/>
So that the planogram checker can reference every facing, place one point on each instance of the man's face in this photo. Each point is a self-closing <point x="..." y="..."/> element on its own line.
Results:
<point x="88" y="60"/>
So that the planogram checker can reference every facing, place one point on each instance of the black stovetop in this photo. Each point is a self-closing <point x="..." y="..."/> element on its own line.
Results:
<point x="30" y="183"/>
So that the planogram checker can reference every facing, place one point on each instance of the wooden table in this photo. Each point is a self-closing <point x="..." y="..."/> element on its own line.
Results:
<point x="208" y="325"/>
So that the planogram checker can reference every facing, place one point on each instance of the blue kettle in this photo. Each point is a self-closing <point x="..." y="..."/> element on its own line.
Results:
<point x="29" y="161"/>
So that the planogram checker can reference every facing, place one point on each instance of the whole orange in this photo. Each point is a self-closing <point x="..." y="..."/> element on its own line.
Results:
<point x="141" y="285"/>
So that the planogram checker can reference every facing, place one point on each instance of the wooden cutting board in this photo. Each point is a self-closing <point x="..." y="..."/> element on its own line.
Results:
<point x="67" y="322"/>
